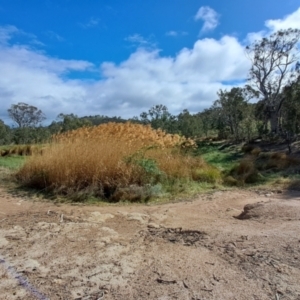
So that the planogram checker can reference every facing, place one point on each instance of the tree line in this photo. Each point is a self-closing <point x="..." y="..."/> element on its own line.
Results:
<point x="267" y="105"/>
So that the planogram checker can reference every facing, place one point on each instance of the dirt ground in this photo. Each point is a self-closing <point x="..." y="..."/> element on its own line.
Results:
<point x="187" y="250"/>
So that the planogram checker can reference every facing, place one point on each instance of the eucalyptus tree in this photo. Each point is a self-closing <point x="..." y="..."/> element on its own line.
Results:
<point x="25" y="115"/>
<point x="189" y="125"/>
<point x="5" y="133"/>
<point x="290" y="115"/>
<point x="231" y="110"/>
<point x="66" y="122"/>
<point x="274" y="65"/>
<point x="158" y="116"/>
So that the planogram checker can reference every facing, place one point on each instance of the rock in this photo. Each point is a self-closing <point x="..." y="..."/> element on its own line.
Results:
<point x="109" y="230"/>
<point x="153" y="225"/>
<point x="142" y="218"/>
<point x="3" y="242"/>
<point x="99" y="218"/>
<point x="159" y="217"/>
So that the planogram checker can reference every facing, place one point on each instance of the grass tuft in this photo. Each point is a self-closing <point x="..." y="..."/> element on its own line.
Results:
<point x="245" y="172"/>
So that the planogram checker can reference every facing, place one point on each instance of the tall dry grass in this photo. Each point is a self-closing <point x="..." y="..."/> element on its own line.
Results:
<point x="100" y="160"/>
<point x="23" y="150"/>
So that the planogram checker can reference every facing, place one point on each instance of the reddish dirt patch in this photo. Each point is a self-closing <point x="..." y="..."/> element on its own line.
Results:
<point x="187" y="250"/>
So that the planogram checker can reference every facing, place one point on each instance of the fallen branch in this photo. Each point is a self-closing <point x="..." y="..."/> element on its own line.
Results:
<point x="185" y="285"/>
<point x="166" y="281"/>
<point x="206" y="290"/>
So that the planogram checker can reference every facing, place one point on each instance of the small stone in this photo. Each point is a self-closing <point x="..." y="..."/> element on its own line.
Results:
<point x="3" y="242"/>
<point x="99" y="218"/>
<point x="142" y="218"/>
<point x="153" y="225"/>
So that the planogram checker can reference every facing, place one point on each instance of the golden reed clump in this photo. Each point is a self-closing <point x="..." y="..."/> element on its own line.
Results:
<point x="99" y="160"/>
<point x="127" y="132"/>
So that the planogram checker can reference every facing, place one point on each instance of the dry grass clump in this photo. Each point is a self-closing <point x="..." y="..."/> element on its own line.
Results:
<point x="231" y="181"/>
<point x="253" y="167"/>
<point x="294" y="185"/>
<point x="4" y="152"/>
<point x="207" y="174"/>
<point x="128" y="133"/>
<point x="111" y="161"/>
<point x="248" y="148"/>
<point x="22" y="150"/>
<point x="256" y="151"/>
<point x="245" y="172"/>
<point x="251" y="149"/>
<point x="276" y="161"/>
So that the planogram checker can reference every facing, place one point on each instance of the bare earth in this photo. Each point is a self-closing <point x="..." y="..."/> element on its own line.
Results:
<point x="188" y="250"/>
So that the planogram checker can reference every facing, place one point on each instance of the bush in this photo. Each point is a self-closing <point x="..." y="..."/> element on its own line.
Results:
<point x="208" y="174"/>
<point x="276" y="161"/>
<point x="231" y="181"/>
<point x="248" y="148"/>
<point x="245" y="172"/>
<point x="256" y="151"/>
<point x="111" y="161"/>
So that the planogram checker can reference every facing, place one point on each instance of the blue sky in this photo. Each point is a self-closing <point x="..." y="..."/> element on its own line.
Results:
<point x="122" y="57"/>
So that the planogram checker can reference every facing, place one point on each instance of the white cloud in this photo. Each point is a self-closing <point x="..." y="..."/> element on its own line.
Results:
<point x="92" y="22"/>
<point x="289" y="21"/>
<point x="54" y="36"/>
<point x="6" y="33"/>
<point x="189" y="79"/>
<point x="9" y="31"/>
<point x="136" y="38"/>
<point x="34" y="78"/>
<point x="139" y="41"/>
<point x="209" y="16"/>
<point x="174" y="33"/>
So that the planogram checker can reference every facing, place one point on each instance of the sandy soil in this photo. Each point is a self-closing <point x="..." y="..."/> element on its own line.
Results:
<point x="188" y="250"/>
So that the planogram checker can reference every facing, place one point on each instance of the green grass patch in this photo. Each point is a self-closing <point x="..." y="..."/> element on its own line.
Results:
<point x="12" y="162"/>
<point x="222" y="156"/>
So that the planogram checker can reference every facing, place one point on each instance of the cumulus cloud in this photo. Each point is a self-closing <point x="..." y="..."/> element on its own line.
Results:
<point x="33" y="77"/>
<point x="289" y="21"/>
<point x="210" y="18"/>
<point x="190" y="79"/>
